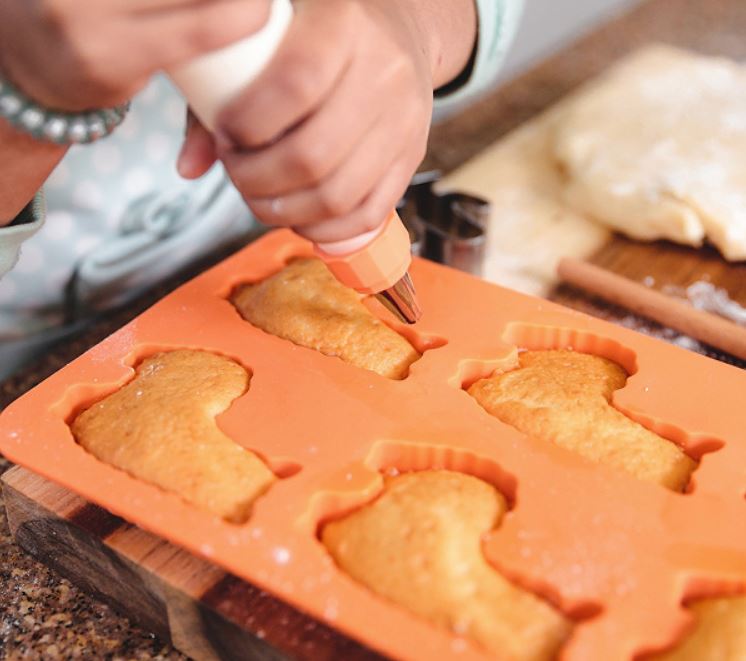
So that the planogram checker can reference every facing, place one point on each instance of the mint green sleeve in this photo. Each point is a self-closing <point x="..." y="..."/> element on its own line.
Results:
<point x="23" y="227"/>
<point x="498" y="24"/>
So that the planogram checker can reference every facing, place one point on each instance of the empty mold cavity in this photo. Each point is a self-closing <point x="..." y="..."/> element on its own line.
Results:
<point x="418" y="540"/>
<point x="715" y="631"/>
<point x="159" y="426"/>
<point x="304" y="304"/>
<point x="558" y="387"/>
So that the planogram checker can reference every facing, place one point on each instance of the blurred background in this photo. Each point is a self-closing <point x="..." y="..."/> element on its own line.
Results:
<point x="547" y="25"/>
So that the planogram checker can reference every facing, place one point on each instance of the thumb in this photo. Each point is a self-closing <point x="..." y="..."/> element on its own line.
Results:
<point x="198" y="151"/>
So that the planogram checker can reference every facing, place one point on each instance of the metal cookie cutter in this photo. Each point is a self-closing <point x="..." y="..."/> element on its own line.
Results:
<point x="448" y="228"/>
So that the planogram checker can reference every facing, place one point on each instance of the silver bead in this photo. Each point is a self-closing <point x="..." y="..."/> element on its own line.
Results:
<point x="77" y="131"/>
<point x="58" y="127"/>
<point x="31" y="119"/>
<point x="55" y="128"/>
<point x="111" y="117"/>
<point x="96" y="127"/>
<point x="10" y="104"/>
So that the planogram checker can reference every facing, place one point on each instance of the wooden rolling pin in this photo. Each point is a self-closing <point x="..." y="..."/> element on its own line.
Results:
<point x="703" y="326"/>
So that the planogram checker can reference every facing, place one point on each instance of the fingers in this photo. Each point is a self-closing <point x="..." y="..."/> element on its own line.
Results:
<point x="74" y="55"/>
<point x="372" y="212"/>
<point x="345" y="188"/>
<point x="308" y="154"/>
<point x="172" y="35"/>
<point x="101" y="58"/>
<point x="198" y="151"/>
<point x="155" y="6"/>
<point x="303" y="73"/>
<point x="328" y="138"/>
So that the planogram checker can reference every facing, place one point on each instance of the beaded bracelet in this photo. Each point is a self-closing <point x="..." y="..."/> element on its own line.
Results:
<point x="62" y="128"/>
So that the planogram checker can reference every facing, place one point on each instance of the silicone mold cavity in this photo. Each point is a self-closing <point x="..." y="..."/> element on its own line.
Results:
<point x="420" y="342"/>
<point x="392" y="458"/>
<point x="698" y="590"/>
<point x="395" y="458"/>
<point x="537" y="337"/>
<point x="83" y="396"/>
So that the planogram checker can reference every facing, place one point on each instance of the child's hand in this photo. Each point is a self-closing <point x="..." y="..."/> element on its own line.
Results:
<point x="79" y="54"/>
<point x="327" y="138"/>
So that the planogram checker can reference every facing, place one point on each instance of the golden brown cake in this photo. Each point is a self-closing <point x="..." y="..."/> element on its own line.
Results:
<point x="161" y="428"/>
<point x="419" y="545"/>
<point x="304" y="303"/>
<point x="718" y="635"/>
<point x="564" y="397"/>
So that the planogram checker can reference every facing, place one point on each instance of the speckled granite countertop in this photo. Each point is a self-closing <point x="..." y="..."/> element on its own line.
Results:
<point x="45" y="617"/>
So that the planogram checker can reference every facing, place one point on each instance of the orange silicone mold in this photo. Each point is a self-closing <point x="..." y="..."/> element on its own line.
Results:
<point x="618" y="555"/>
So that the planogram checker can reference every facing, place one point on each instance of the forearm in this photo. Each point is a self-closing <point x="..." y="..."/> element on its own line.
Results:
<point x="448" y="31"/>
<point x="24" y="166"/>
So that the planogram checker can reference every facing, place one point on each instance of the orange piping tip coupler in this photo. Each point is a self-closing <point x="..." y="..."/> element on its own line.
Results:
<point x="377" y="263"/>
